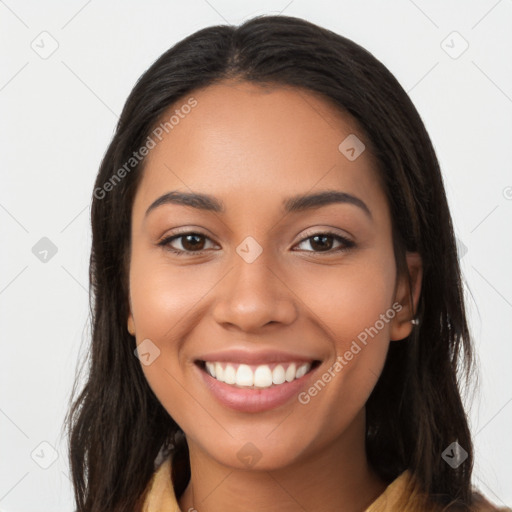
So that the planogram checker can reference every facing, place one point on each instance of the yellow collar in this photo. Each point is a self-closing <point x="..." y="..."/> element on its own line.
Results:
<point x="401" y="494"/>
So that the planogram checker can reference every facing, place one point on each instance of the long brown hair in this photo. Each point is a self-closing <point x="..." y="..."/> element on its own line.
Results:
<point x="117" y="426"/>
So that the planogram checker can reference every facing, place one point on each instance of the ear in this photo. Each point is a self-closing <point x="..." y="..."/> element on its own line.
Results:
<point x="131" y="323"/>
<point x="401" y="325"/>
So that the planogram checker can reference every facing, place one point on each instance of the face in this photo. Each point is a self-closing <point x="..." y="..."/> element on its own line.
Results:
<point x="263" y="287"/>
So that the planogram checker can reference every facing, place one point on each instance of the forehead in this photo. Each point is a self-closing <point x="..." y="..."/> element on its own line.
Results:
<point x="243" y="141"/>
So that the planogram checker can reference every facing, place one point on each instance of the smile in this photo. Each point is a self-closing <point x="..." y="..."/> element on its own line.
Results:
<point x="257" y="376"/>
<point x="251" y="386"/>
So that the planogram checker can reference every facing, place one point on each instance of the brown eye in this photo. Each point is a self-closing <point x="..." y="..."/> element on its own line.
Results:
<point x="323" y="242"/>
<point x="190" y="243"/>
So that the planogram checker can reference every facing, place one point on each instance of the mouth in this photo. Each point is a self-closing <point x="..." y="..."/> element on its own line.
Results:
<point x="262" y="376"/>
<point x="255" y="381"/>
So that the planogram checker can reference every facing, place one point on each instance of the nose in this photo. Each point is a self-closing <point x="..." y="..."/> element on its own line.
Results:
<point x="254" y="295"/>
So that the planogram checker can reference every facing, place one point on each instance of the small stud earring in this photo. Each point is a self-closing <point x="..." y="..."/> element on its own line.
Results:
<point x="415" y="321"/>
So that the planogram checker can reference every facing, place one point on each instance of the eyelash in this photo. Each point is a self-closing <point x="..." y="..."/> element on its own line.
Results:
<point x="348" y="244"/>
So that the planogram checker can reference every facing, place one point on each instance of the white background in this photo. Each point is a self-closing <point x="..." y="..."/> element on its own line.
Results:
<point x="58" y="115"/>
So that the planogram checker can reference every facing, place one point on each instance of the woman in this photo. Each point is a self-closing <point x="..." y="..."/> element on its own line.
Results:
<point x="278" y="313"/>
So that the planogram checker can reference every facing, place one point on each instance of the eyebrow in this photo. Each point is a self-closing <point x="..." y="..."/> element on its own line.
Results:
<point x="293" y="204"/>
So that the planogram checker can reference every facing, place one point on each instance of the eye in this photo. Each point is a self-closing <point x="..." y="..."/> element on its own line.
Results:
<point x="190" y="243"/>
<point x="324" y="241"/>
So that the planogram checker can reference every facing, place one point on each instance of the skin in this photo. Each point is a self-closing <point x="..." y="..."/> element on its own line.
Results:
<point x="251" y="148"/>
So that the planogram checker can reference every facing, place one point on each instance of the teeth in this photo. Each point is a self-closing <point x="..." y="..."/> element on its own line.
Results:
<point x="229" y="375"/>
<point x="261" y="376"/>
<point x="244" y="376"/>
<point x="278" y="375"/>
<point x="290" y="373"/>
<point x="211" y="368"/>
<point x="301" y="371"/>
<point x="219" y="372"/>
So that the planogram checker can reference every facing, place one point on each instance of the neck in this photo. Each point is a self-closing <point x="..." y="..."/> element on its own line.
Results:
<point x="337" y="473"/>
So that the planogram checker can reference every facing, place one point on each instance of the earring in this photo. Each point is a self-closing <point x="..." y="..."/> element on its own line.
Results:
<point x="415" y="321"/>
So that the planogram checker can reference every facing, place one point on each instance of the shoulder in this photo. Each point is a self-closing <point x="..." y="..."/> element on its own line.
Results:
<point x="480" y="504"/>
<point x="404" y="494"/>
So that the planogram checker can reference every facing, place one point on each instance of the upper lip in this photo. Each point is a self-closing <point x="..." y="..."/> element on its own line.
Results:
<point x="254" y="357"/>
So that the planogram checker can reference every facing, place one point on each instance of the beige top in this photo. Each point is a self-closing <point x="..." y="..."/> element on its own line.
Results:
<point x="401" y="495"/>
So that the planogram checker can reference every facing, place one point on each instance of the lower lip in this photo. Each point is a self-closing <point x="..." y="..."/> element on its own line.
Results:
<point x="254" y="400"/>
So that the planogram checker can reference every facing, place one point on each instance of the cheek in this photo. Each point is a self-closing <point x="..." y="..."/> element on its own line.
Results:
<point x="348" y="300"/>
<point x="354" y="311"/>
<point x="168" y="302"/>
<point x="164" y="297"/>
<point x="164" y="306"/>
